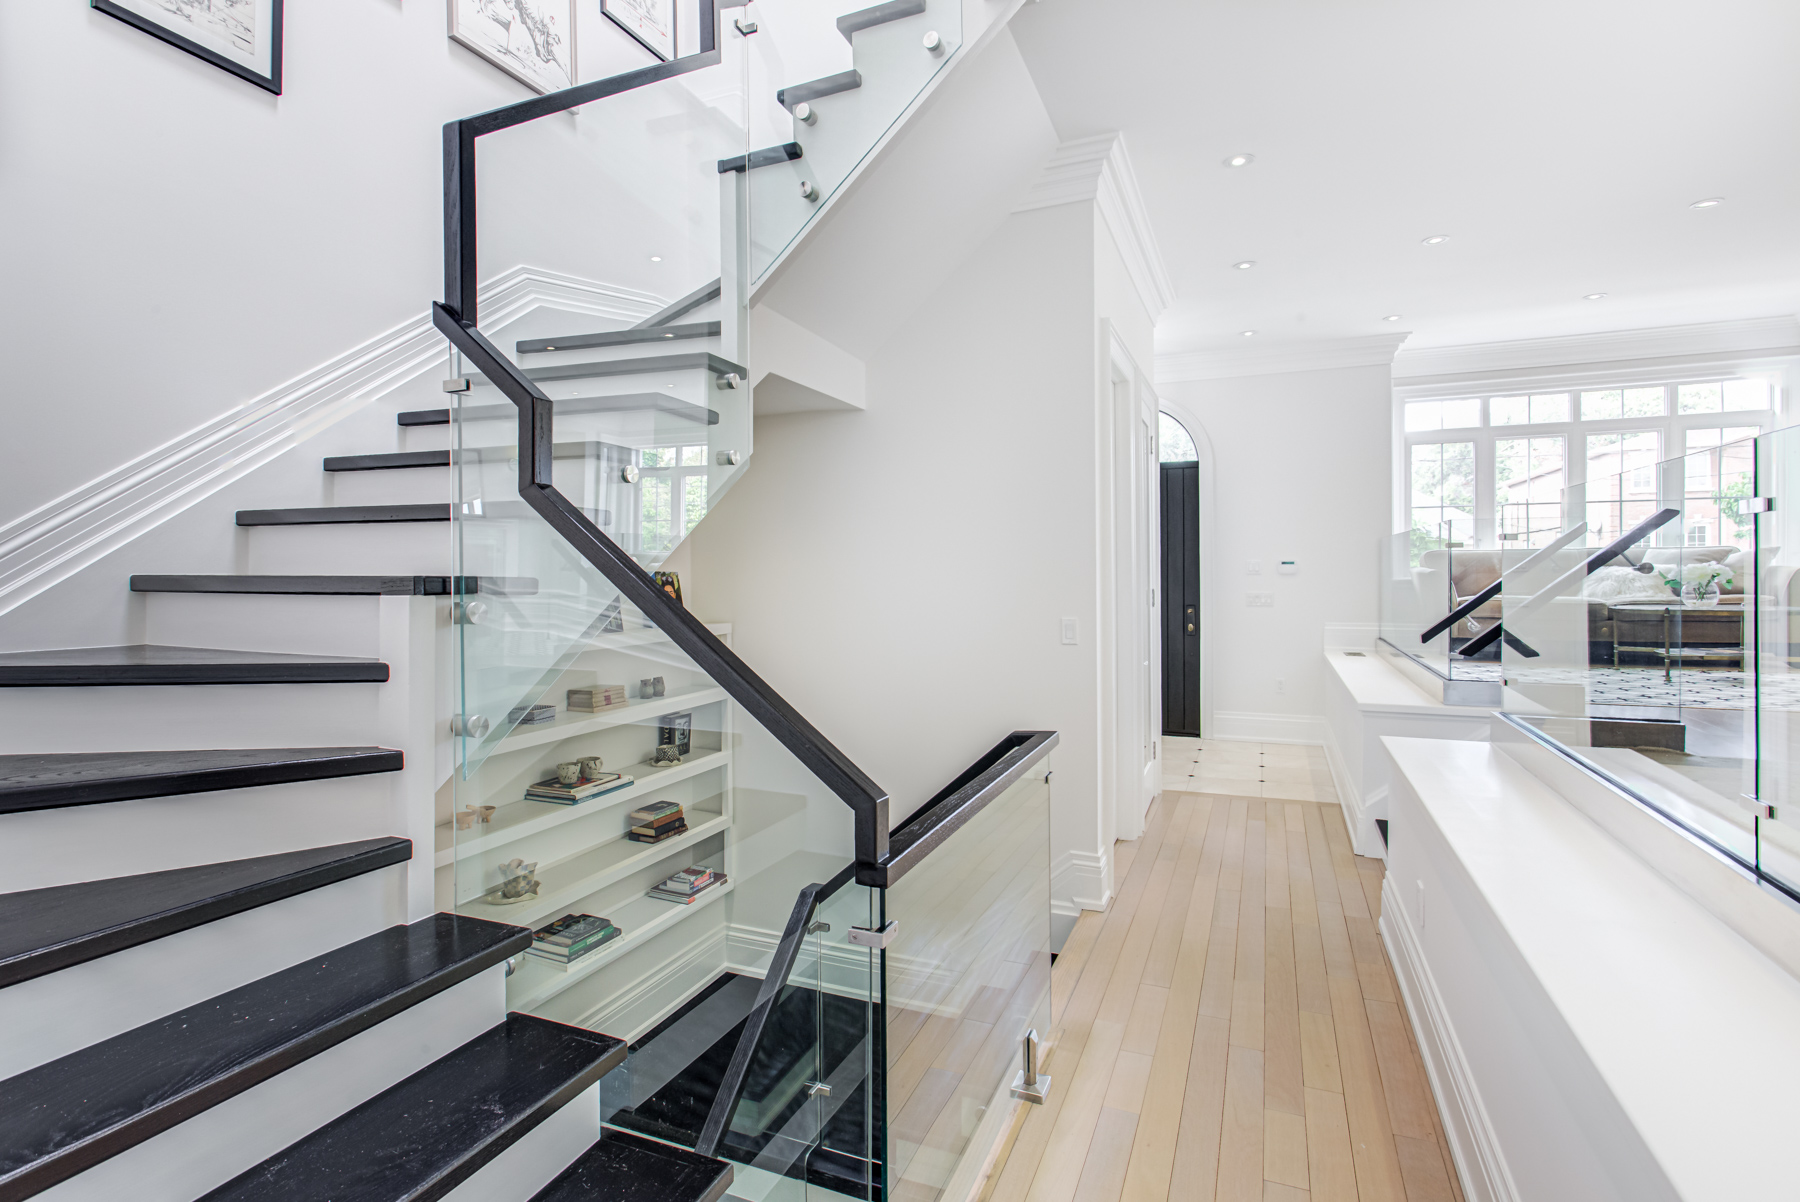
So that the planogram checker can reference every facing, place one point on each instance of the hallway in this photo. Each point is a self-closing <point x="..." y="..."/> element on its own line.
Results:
<point x="1230" y="1029"/>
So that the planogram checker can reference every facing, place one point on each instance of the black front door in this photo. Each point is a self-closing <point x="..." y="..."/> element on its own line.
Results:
<point x="1181" y="598"/>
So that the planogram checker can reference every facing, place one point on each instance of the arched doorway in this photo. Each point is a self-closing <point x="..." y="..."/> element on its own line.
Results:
<point x="1180" y="497"/>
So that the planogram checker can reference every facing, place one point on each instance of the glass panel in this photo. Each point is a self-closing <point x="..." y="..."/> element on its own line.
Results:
<point x="1175" y="444"/>
<point x="967" y="976"/>
<point x="1778" y="656"/>
<point x="1443" y="484"/>
<point x="1700" y="398"/>
<point x="1509" y="410"/>
<point x="1528" y="488"/>
<point x="1746" y="394"/>
<point x="855" y="89"/>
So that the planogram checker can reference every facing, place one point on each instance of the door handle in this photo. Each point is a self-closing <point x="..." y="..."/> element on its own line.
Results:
<point x="1190" y="619"/>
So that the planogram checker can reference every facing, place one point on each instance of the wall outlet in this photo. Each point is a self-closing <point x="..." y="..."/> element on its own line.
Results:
<point x="1068" y="632"/>
<point x="1265" y="600"/>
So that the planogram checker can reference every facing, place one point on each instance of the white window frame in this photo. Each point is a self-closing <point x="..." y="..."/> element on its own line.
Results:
<point x="1672" y="426"/>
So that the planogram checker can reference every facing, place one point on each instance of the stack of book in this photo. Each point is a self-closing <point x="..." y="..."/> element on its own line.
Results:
<point x="657" y="821"/>
<point x="555" y="791"/>
<point x="531" y="715"/>
<point x="571" y="939"/>
<point x="599" y="697"/>
<point x="686" y="886"/>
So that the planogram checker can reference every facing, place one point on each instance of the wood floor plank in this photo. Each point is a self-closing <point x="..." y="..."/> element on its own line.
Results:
<point x="1449" y="1163"/>
<point x="1371" y="883"/>
<point x="1274" y="1191"/>
<point x="1131" y="1073"/>
<point x="1331" y="1168"/>
<point x="1247" y="971"/>
<point x="1127" y="973"/>
<point x="1281" y="1017"/>
<point x="1424" y="1172"/>
<point x="1284" y="1148"/>
<point x="1071" y="961"/>
<point x="1059" y="1169"/>
<point x="1371" y="1136"/>
<point x="1203" y="1111"/>
<point x="1103" y="1173"/>
<point x="1159" y="969"/>
<point x="1231" y="870"/>
<point x="1371" y="959"/>
<point x="1332" y="934"/>
<point x="1411" y="1111"/>
<point x="1318" y="1052"/>
<point x="1145" y="1023"/>
<point x="1241" y="1138"/>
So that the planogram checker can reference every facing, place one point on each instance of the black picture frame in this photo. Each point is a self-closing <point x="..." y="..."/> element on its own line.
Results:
<point x="677" y="729"/>
<point x="607" y="10"/>
<point x="270" y="82"/>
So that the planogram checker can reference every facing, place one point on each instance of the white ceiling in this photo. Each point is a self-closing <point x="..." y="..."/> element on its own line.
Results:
<point x="1559" y="143"/>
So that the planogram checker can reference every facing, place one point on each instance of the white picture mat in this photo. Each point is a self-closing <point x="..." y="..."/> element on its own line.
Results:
<point x="650" y="21"/>
<point x="240" y="30"/>
<point x="531" y="40"/>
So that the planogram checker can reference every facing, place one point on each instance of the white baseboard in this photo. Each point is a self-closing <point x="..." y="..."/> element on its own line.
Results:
<point x="1306" y="729"/>
<point x="1365" y="837"/>
<point x="1474" y="1145"/>
<point x="1080" y="880"/>
<point x="636" y="1008"/>
<point x="59" y="538"/>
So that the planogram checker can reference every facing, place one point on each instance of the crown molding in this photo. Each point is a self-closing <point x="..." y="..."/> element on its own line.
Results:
<point x="1760" y="337"/>
<point x="1370" y="350"/>
<point x="58" y="539"/>
<point x="1098" y="169"/>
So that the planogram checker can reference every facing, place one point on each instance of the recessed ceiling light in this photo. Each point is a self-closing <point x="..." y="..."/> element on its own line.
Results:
<point x="1240" y="160"/>
<point x="1392" y="317"/>
<point x="656" y="258"/>
<point x="1435" y="239"/>
<point x="1246" y="265"/>
<point x="1249" y="333"/>
<point x="1595" y="296"/>
<point x="1711" y="202"/>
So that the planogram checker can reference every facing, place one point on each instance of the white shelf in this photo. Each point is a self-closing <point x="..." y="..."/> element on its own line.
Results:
<point x="517" y="819"/>
<point x="568" y="724"/>
<point x="536" y="982"/>
<point x="566" y="882"/>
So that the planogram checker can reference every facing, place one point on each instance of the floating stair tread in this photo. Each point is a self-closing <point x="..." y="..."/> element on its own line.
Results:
<point x="641" y="365"/>
<point x="653" y="334"/>
<point x="46" y="782"/>
<point x="879" y="14"/>
<point x="333" y="514"/>
<point x="768" y="156"/>
<point x="328" y="586"/>
<point x="422" y="417"/>
<point x="70" y="1114"/>
<point x="44" y="930"/>
<point x="392" y="459"/>
<point x="629" y="1168"/>
<point x="633" y="402"/>
<point x="830" y="85"/>
<point x="434" y="1130"/>
<point x="151" y="663"/>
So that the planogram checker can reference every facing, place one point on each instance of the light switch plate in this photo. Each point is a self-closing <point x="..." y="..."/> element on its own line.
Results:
<point x="1260" y="600"/>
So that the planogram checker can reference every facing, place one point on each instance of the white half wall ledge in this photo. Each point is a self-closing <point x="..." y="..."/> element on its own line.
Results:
<point x="1098" y="169"/>
<point x="1762" y="337"/>
<point x="1278" y="358"/>
<point x="53" y="542"/>
<point x="1242" y="727"/>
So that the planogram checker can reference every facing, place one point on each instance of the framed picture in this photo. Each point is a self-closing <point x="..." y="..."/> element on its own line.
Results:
<point x="531" y="40"/>
<point x="240" y="36"/>
<point x="677" y="729"/>
<point x="651" y="22"/>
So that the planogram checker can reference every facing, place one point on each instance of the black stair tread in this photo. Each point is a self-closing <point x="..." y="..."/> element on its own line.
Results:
<point x="422" y="417"/>
<point x="629" y="1168"/>
<point x="879" y="14"/>
<point x="151" y="663"/>
<point x="653" y="334"/>
<point x="70" y="1114"/>
<point x="45" y="782"/>
<point x="434" y="1130"/>
<point x="321" y="515"/>
<point x="813" y="89"/>
<point x="642" y="364"/>
<point x="44" y="930"/>
<point x="768" y="156"/>
<point x="391" y="459"/>
<point x="338" y="586"/>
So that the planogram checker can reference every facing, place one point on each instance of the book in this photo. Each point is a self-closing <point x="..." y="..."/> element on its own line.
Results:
<point x="569" y="929"/>
<point x="553" y="790"/>
<point x="533" y="715"/>
<point x="692" y="876"/>
<point x="687" y="899"/>
<point x="592" y="939"/>
<point x="599" y="697"/>
<point x="658" y="823"/>
<point x="567" y="962"/>
<point x="655" y="810"/>
<point x="666" y="833"/>
<point x="677" y="731"/>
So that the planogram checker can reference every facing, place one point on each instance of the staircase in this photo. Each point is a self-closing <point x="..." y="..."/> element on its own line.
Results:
<point x="253" y="939"/>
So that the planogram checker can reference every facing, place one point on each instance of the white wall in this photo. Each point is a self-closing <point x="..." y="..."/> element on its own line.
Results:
<point x="1301" y="471"/>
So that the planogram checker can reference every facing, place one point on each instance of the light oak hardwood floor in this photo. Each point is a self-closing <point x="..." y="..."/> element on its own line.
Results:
<point x="1230" y="1029"/>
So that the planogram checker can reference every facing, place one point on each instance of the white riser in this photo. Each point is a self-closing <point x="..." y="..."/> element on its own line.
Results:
<point x="57" y="1014"/>
<point x="287" y="624"/>
<point x="215" y="1146"/>
<point x="394" y="486"/>
<point x="635" y="350"/>
<point x="423" y="438"/>
<point x="532" y="1163"/>
<point x="173" y="717"/>
<point x="123" y="838"/>
<point x="376" y="549"/>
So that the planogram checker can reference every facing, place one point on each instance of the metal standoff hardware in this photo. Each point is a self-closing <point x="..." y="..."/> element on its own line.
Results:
<point x="1757" y="806"/>
<point x="934" y="43"/>
<point x="458" y="384"/>
<point x="1756" y="505"/>
<point x="817" y="1089"/>
<point x="629" y="474"/>
<point x="1029" y="1085"/>
<point x="473" y="725"/>
<point x="808" y="191"/>
<point x="875" y="938"/>
<point x="744" y="27"/>
<point x="818" y="928"/>
<point x="730" y="458"/>
<point x="806" y="114"/>
<point x="731" y="380"/>
<point x="471" y="613"/>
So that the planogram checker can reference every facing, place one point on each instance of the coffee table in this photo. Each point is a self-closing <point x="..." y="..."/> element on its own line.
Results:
<point x="1675" y="632"/>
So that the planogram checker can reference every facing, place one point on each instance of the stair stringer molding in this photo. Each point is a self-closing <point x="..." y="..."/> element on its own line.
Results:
<point x="58" y="540"/>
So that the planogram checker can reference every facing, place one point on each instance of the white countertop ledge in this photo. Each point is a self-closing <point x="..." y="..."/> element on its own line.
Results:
<point x="1695" y="1031"/>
